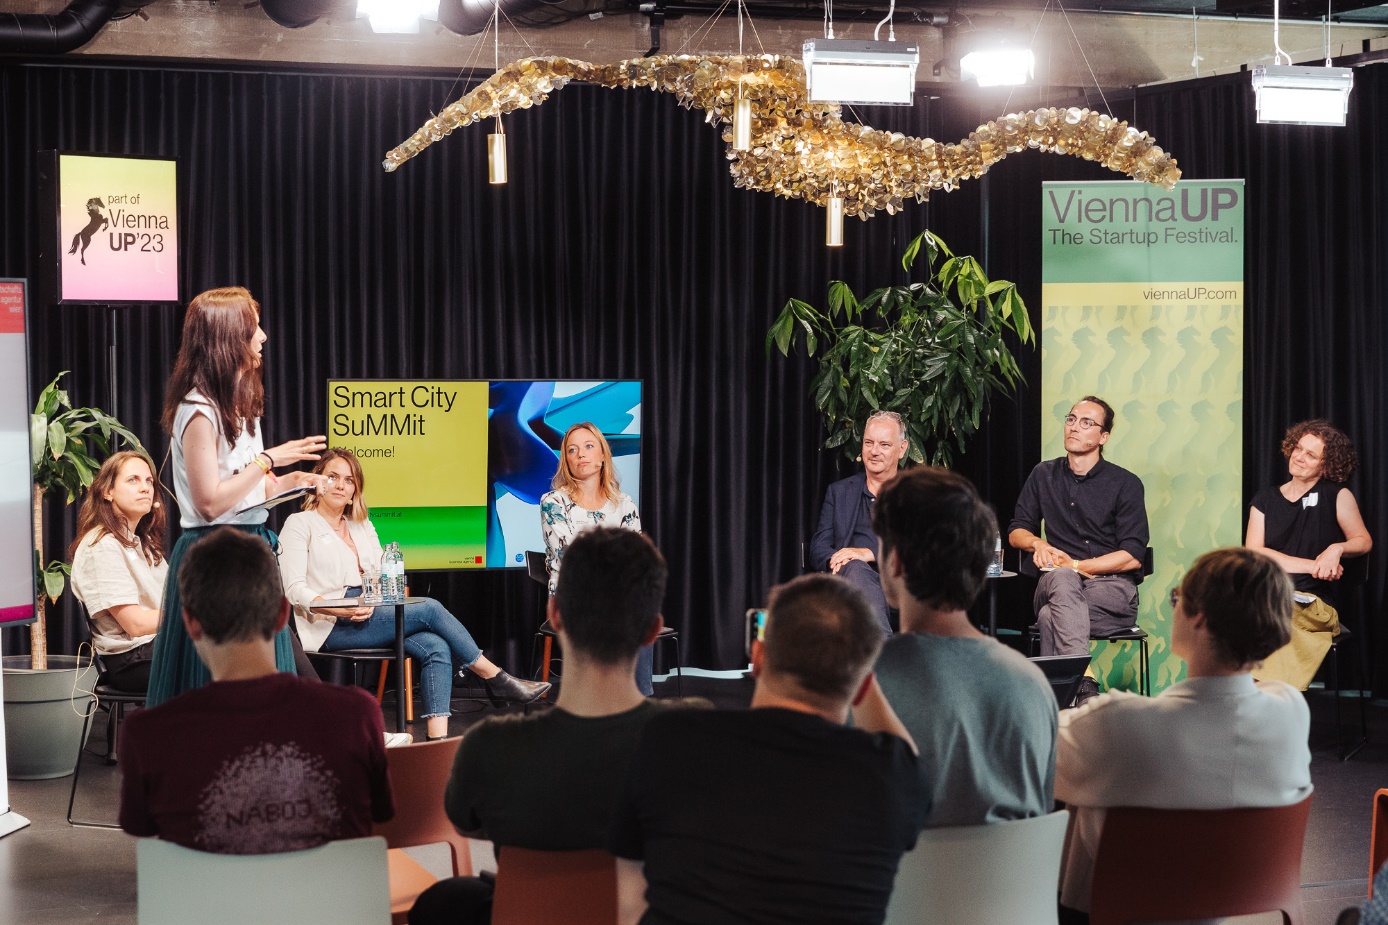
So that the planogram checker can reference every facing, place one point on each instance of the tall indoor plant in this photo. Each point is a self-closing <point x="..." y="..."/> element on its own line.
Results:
<point x="46" y="698"/>
<point x="932" y="351"/>
<point x="63" y="441"/>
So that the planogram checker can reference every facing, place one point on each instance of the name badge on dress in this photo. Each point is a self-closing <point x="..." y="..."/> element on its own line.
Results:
<point x="1309" y="500"/>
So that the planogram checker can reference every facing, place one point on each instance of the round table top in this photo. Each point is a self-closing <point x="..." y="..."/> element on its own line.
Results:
<point x="340" y="602"/>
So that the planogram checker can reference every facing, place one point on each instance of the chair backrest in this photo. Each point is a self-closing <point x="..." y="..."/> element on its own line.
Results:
<point x="342" y="882"/>
<point x="1210" y="863"/>
<point x="418" y="778"/>
<point x="1378" y="837"/>
<point x="573" y="887"/>
<point x="1004" y="873"/>
<point x="536" y="567"/>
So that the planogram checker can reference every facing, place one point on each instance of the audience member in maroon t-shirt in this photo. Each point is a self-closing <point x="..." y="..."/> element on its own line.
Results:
<point x="257" y="761"/>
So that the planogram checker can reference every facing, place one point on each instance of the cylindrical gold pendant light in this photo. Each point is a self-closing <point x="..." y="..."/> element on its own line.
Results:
<point x="833" y="222"/>
<point x="742" y="125"/>
<point x="496" y="156"/>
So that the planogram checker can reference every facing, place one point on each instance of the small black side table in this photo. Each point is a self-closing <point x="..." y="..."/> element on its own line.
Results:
<point x="993" y="601"/>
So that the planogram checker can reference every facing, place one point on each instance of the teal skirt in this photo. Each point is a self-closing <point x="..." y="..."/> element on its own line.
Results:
<point x="176" y="667"/>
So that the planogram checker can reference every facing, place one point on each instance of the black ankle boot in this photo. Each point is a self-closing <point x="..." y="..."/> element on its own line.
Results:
<point x="504" y="689"/>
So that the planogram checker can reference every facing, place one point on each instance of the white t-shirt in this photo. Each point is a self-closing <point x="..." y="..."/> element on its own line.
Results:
<point x="1204" y="743"/>
<point x="230" y="460"/>
<point x="106" y="575"/>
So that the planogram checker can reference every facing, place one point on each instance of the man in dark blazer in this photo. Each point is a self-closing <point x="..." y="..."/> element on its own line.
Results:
<point x="843" y="542"/>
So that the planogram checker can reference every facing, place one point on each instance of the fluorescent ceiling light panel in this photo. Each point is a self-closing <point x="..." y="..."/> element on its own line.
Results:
<point x="1302" y="95"/>
<point x="844" y="71"/>
<point x="397" y="16"/>
<point x="998" y="66"/>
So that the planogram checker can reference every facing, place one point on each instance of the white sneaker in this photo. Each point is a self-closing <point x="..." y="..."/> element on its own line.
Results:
<point x="398" y="738"/>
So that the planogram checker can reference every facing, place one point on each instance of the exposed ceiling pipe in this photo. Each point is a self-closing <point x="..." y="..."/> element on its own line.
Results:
<point x="55" y="33"/>
<point x="469" y="17"/>
<point x="295" y="14"/>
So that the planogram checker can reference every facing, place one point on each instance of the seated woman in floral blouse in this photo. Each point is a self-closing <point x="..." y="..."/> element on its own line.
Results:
<point x="587" y="494"/>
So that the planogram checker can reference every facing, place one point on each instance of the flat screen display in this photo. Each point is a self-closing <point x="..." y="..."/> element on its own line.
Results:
<point x="454" y="469"/>
<point x="117" y="229"/>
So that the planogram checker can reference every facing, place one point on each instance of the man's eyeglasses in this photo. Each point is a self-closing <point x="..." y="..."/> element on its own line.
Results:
<point x="344" y="479"/>
<point x="1084" y="423"/>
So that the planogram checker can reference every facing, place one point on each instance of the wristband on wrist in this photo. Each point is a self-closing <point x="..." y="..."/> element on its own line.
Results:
<point x="265" y="464"/>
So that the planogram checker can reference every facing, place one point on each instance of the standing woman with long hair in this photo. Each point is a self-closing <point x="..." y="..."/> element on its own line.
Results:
<point x="212" y="412"/>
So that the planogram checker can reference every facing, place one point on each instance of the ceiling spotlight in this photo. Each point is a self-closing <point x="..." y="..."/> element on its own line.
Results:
<point x="996" y="61"/>
<point x="845" y="71"/>
<point x="1302" y="95"/>
<point x="397" y="16"/>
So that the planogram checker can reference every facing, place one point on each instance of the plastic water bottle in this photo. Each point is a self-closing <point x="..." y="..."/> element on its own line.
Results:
<point x="395" y="568"/>
<point x="386" y="592"/>
<point x="995" y="567"/>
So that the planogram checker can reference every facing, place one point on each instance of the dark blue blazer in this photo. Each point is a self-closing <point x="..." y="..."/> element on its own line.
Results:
<point x="838" y="519"/>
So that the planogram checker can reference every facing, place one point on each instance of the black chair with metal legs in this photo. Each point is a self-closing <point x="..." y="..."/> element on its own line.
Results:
<point x="1356" y="573"/>
<point x="538" y="571"/>
<point x="1133" y="633"/>
<point x="1347" y="749"/>
<point x="116" y="702"/>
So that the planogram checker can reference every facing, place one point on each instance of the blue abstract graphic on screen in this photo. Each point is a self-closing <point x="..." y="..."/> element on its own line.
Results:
<point x="526" y="424"/>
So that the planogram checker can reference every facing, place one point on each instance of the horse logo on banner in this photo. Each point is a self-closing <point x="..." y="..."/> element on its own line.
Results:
<point x="95" y="222"/>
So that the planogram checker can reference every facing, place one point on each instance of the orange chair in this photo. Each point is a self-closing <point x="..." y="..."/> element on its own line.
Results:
<point x="573" y="887"/>
<point x="1378" y="838"/>
<point x="1155" y="864"/>
<point x="418" y="777"/>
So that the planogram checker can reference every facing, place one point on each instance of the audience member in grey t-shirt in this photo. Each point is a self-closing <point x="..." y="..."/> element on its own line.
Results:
<point x="983" y="717"/>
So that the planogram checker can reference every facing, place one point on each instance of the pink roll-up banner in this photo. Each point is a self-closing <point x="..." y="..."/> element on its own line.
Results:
<point x="16" y="476"/>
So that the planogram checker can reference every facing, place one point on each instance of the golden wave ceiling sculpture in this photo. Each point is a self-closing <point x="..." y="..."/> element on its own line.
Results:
<point x="804" y="150"/>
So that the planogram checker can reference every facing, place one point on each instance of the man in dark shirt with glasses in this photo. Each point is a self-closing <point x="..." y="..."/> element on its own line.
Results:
<point x="1096" y="537"/>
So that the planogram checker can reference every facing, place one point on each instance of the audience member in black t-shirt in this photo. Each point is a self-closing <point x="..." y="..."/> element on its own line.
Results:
<point x="550" y="781"/>
<point x="1308" y="525"/>
<point x="780" y="813"/>
<point x="258" y="761"/>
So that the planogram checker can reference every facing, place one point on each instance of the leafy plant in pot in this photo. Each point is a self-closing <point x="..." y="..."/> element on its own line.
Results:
<point x="932" y="351"/>
<point x="42" y="721"/>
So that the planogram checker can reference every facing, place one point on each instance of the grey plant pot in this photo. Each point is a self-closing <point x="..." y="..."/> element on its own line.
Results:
<point x="44" y="714"/>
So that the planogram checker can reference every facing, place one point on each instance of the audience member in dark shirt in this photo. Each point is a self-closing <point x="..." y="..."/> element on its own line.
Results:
<point x="780" y="813"/>
<point x="1095" y="521"/>
<point x="257" y="761"/>
<point x="550" y="781"/>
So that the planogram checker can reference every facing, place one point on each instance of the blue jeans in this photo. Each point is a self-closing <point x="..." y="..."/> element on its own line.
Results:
<point x="432" y="635"/>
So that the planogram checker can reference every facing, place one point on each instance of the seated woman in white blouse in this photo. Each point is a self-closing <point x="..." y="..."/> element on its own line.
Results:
<point x="325" y="550"/>
<point x="118" y="566"/>
<point x="587" y="494"/>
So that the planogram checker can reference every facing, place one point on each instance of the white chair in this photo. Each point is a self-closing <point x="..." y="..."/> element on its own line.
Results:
<point x="342" y="882"/>
<point x="1006" y="873"/>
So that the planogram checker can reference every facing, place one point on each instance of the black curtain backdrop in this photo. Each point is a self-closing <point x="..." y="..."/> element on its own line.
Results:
<point x="620" y="248"/>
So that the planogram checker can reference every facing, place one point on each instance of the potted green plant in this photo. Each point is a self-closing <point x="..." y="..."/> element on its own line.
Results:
<point x="933" y="351"/>
<point x="43" y="693"/>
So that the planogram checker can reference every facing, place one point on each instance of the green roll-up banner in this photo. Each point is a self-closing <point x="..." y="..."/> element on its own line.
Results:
<point x="1142" y="294"/>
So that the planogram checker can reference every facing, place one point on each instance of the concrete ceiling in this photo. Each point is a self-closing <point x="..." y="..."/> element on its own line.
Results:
<point x="1079" y="47"/>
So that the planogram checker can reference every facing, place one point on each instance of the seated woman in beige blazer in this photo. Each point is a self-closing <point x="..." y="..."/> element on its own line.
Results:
<point x="327" y="548"/>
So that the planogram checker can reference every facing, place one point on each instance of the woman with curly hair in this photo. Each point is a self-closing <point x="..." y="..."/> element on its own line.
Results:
<point x="1308" y="525"/>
